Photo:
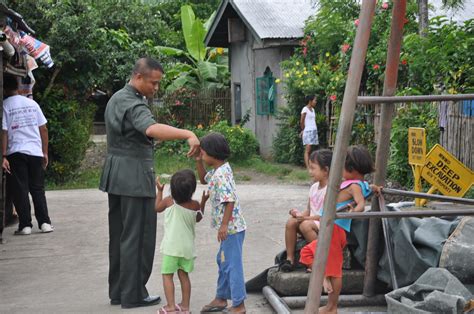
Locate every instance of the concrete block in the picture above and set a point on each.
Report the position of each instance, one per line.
(297, 282)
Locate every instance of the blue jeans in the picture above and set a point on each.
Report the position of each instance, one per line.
(231, 283)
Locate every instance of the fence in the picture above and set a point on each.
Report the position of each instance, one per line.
(198, 107)
(456, 123)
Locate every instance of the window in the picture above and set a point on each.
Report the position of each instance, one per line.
(266, 93)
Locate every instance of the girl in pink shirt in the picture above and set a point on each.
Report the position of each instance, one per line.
(318, 167)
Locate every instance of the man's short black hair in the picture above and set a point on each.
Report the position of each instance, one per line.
(10, 83)
(215, 145)
(183, 185)
(358, 158)
(145, 65)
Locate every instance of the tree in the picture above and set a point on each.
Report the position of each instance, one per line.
(93, 44)
(423, 12)
(205, 67)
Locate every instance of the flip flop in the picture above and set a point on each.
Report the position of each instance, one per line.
(180, 310)
(213, 308)
(165, 311)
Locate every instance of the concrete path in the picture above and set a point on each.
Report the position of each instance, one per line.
(66, 271)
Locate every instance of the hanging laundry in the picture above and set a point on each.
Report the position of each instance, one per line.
(36, 49)
(32, 46)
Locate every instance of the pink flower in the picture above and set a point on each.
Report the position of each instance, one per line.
(356, 22)
(177, 103)
(404, 62)
(376, 67)
(345, 47)
(333, 97)
(385, 5)
(305, 51)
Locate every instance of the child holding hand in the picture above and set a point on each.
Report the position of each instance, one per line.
(227, 219)
(177, 246)
(353, 190)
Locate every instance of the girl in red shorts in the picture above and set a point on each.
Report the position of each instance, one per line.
(353, 190)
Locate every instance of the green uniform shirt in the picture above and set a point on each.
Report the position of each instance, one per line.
(128, 169)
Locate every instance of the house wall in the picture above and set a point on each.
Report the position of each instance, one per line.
(266, 125)
(241, 69)
(249, 60)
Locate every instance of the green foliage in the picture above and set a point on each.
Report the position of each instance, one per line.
(422, 115)
(444, 57)
(205, 68)
(320, 66)
(242, 142)
(287, 146)
(93, 43)
(69, 124)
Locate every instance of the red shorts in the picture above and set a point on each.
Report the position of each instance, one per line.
(334, 262)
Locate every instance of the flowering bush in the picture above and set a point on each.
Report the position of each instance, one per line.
(321, 64)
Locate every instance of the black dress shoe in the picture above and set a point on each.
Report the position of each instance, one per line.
(148, 301)
(115, 302)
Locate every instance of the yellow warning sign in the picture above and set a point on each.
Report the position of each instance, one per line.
(416, 146)
(446, 173)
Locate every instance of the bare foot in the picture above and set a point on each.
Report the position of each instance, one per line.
(308, 270)
(327, 285)
(325, 309)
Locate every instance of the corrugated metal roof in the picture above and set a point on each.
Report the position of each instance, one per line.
(275, 18)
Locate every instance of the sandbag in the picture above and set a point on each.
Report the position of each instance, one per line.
(436, 291)
(458, 251)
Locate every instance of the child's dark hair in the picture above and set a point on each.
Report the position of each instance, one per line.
(183, 185)
(322, 157)
(358, 158)
(10, 83)
(215, 145)
(308, 98)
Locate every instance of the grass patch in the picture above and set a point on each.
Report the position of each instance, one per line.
(87, 179)
(166, 165)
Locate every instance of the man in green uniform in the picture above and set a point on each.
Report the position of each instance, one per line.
(129, 179)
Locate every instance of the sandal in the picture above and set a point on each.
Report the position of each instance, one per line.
(286, 266)
(213, 308)
(163, 310)
(180, 309)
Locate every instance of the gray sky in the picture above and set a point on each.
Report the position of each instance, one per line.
(459, 15)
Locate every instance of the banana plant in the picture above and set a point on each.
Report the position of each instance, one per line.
(206, 67)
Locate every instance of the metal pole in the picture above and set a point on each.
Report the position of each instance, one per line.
(275, 301)
(372, 100)
(407, 213)
(351, 91)
(428, 196)
(383, 145)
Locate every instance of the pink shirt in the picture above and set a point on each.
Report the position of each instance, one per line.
(316, 198)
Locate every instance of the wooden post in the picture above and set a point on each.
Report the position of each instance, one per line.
(351, 91)
(383, 145)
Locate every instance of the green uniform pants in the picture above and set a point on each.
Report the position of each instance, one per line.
(132, 238)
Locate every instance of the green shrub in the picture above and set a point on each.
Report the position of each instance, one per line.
(423, 116)
(69, 125)
(242, 142)
(287, 145)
